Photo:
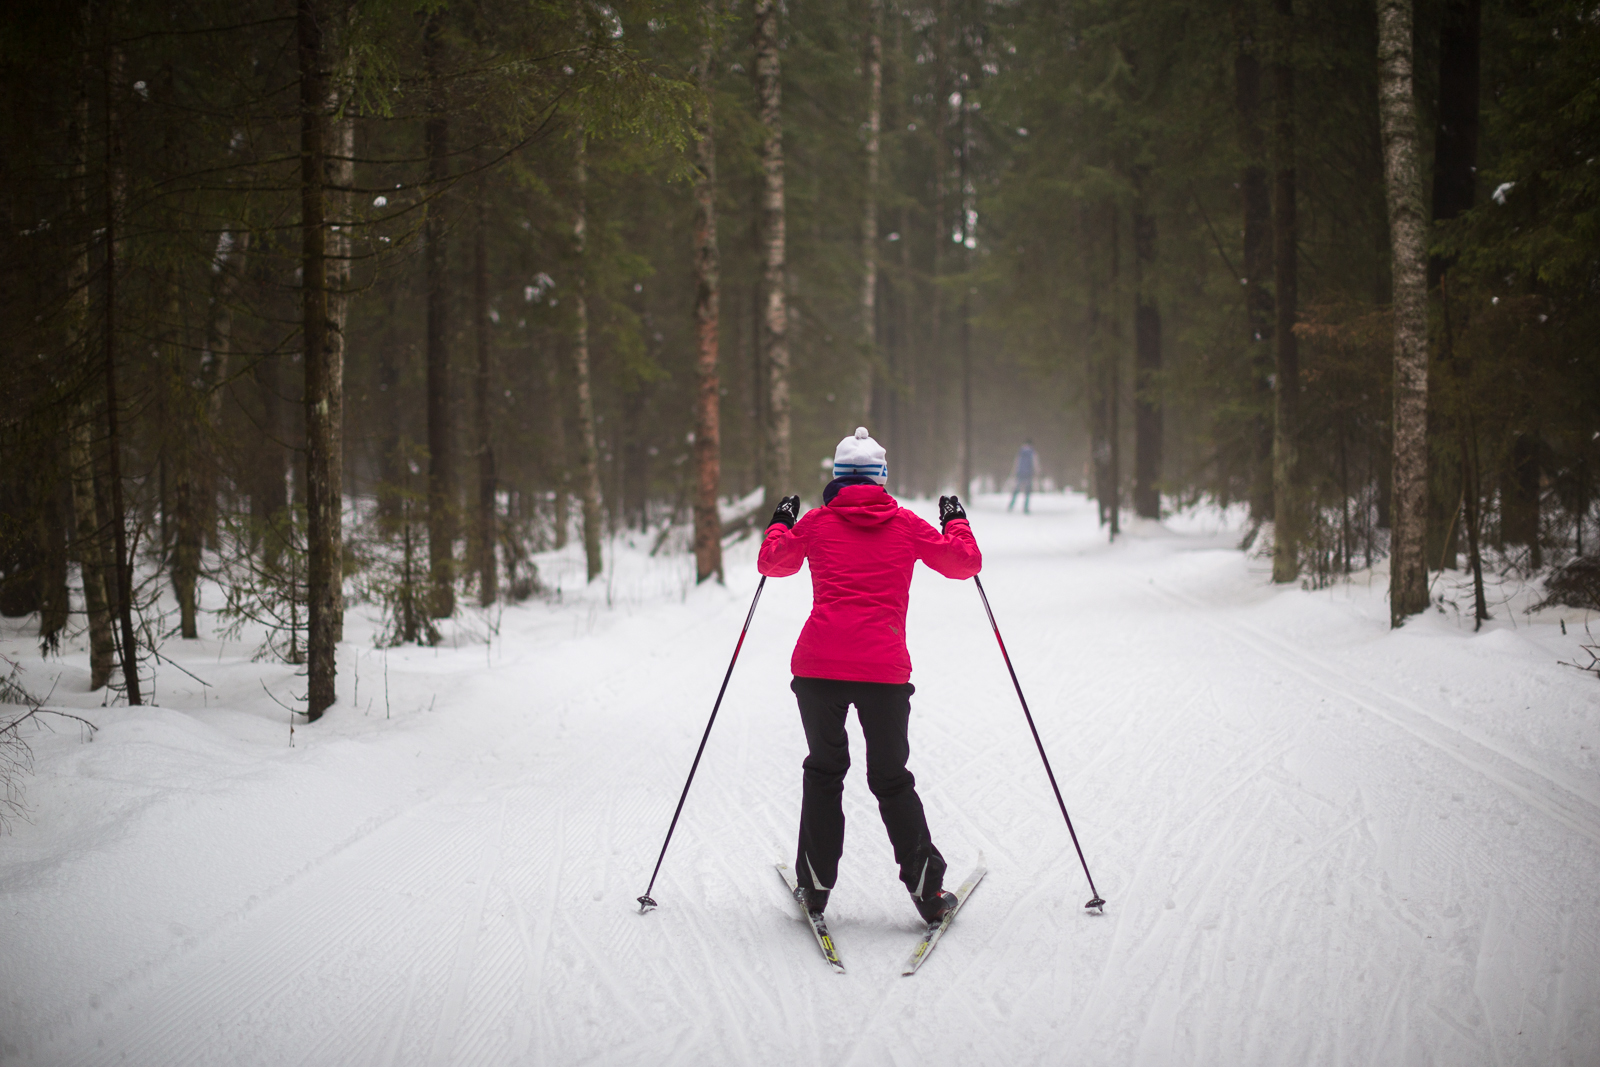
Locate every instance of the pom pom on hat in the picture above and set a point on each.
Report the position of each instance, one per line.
(859, 456)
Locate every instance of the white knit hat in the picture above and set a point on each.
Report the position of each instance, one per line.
(860, 457)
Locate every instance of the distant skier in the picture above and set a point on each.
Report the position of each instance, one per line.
(1024, 472)
(862, 546)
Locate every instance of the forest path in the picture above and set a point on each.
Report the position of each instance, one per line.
(1307, 856)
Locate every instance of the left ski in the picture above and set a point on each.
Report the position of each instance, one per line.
(935, 931)
(819, 926)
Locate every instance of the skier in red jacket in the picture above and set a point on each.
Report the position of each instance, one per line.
(862, 547)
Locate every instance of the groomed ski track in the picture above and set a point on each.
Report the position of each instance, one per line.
(1319, 842)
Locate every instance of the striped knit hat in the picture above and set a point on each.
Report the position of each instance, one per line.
(860, 457)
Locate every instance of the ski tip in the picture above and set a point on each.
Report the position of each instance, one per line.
(1096, 906)
(646, 903)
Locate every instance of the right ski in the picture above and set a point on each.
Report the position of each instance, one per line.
(819, 925)
(935, 931)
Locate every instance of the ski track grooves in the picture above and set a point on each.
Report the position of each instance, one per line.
(1538, 787)
(1279, 868)
(444, 1038)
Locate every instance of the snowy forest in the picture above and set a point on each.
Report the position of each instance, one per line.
(294, 293)
(343, 329)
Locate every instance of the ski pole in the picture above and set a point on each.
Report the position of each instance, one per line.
(1095, 903)
(646, 902)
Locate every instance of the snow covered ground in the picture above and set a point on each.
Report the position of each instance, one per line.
(1320, 841)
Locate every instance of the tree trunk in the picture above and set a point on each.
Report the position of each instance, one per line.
(1408, 573)
(927, 421)
(231, 258)
(560, 468)
(590, 452)
(321, 377)
(185, 418)
(707, 308)
(90, 550)
(968, 209)
(1519, 496)
(1455, 166)
(1467, 443)
(1113, 389)
(1147, 410)
(55, 601)
(1256, 209)
(1097, 374)
(775, 311)
(89, 545)
(869, 215)
(122, 564)
(339, 170)
(1285, 283)
(269, 498)
(394, 448)
(485, 540)
(908, 436)
(441, 452)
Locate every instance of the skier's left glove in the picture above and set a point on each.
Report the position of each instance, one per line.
(788, 512)
(950, 509)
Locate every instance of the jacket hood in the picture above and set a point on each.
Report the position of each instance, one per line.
(864, 505)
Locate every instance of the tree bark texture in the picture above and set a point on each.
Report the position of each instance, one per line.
(485, 539)
(122, 565)
(1147, 409)
(707, 314)
(775, 310)
(322, 434)
(89, 548)
(89, 544)
(869, 214)
(1286, 505)
(339, 171)
(590, 456)
(441, 453)
(1397, 109)
(1256, 211)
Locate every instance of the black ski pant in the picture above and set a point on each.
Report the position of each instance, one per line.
(884, 711)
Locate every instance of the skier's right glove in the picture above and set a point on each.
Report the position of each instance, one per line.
(950, 509)
(788, 512)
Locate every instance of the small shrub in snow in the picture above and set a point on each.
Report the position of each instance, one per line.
(1576, 585)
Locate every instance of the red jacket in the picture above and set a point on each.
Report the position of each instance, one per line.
(862, 547)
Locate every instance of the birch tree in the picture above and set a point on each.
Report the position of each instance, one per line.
(1408, 252)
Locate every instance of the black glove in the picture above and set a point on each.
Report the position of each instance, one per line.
(788, 512)
(950, 508)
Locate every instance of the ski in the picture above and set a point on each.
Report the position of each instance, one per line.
(935, 931)
(819, 926)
